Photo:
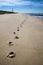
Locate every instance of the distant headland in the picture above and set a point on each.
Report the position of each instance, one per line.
(7, 12)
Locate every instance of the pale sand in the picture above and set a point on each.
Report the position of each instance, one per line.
(29, 47)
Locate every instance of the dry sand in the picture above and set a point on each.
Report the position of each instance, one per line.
(28, 47)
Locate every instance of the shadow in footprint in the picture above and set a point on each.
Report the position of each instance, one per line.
(18, 30)
(16, 37)
(14, 32)
(10, 43)
(11, 55)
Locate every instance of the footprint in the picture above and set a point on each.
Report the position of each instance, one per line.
(16, 37)
(10, 43)
(22, 22)
(11, 55)
(18, 29)
(14, 32)
(20, 25)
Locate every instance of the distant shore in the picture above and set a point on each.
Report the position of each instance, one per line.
(7, 12)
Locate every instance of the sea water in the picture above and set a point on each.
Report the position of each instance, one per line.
(41, 17)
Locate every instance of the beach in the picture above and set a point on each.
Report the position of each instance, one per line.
(26, 34)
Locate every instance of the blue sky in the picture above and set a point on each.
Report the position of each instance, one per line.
(22, 6)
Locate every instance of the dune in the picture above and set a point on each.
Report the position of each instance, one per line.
(26, 34)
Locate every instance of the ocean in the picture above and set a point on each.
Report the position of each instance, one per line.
(39, 16)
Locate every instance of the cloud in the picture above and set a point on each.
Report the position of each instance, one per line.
(18, 2)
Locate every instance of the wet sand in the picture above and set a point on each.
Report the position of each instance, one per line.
(26, 35)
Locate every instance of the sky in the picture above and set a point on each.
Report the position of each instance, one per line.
(22, 6)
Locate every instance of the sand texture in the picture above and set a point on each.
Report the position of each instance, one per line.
(22, 35)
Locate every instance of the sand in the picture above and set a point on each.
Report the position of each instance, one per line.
(26, 35)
